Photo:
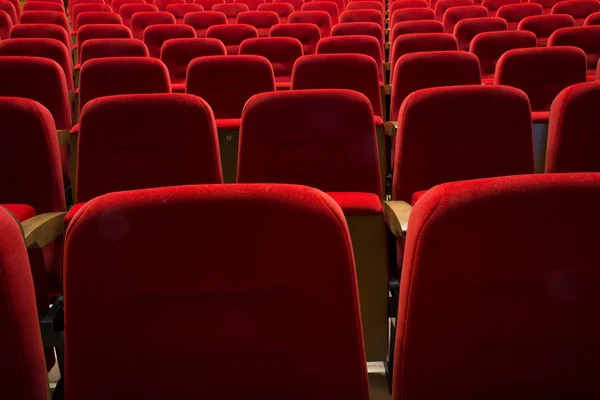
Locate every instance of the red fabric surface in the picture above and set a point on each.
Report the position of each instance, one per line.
(178, 53)
(208, 4)
(541, 72)
(283, 10)
(252, 4)
(156, 35)
(366, 5)
(97, 17)
(139, 157)
(9, 8)
(225, 83)
(425, 26)
(336, 152)
(231, 10)
(21, 211)
(357, 44)
(71, 213)
(116, 4)
(478, 131)
(201, 21)
(592, 19)
(282, 52)
(353, 203)
(40, 31)
(297, 4)
(232, 35)
(73, 3)
(308, 34)
(515, 13)
(443, 5)
(180, 10)
(228, 123)
(22, 366)
(544, 25)
(259, 299)
(43, 6)
(494, 5)
(578, 9)
(490, 46)
(468, 303)
(329, 7)
(416, 196)
(163, 4)
(400, 4)
(127, 10)
(261, 20)
(360, 28)
(456, 14)
(104, 48)
(363, 16)
(45, 17)
(411, 14)
(319, 18)
(101, 31)
(141, 20)
(587, 38)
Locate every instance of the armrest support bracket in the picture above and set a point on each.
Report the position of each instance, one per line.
(396, 214)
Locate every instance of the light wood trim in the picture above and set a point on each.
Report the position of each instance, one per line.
(387, 89)
(396, 215)
(390, 128)
(387, 66)
(387, 45)
(73, 164)
(63, 136)
(43, 229)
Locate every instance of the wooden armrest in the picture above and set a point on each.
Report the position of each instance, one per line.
(43, 229)
(387, 66)
(387, 45)
(396, 215)
(390, 128)
(63, 136)
(387, 90)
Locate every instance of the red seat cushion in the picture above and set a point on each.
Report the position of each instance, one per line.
(71, 213)
(228, 123)
(357, 203)
(21, 211)
(417, 195)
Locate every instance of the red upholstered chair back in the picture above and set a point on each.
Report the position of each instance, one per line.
(232, 35)
(339, 71)
(261, 20)
(592, 19)
(22, 363)
(156, 35)
(45, 17)
(231, 10)
(227, 82)
(141, 20)
(49, 31)
(399, 4)
(122, 75)
(178, 53)
(101, 31)
(283, 10)
(179, 10)
(73, 3)
(103, 48)
(541, 72)
(544, 25)
(587, 38)
(515, 13)
(494, 5)
(360, 28)
(485, 298)
(426, 26)
(329, 7)
(478, 132)
(201, 21)
(282, 52)
(297, 4)
(308, 34)
(572, 143)
(122, 144)
(43, 6)
(39, 79)
(38, 47)
(163, 4)
(357, 44)
(117, 4)
(208, 4)
(336, 152)
(319, 18)
(127, 10)
(252, 4)
(411, 14)
(455, 14)
(259, 299)
(490, 46)
(443, 5)
(97, 17)
(363, 16)
(466, 30)
(9, 8)
(578, 9)
(366, 5)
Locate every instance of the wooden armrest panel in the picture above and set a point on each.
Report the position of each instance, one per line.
(43, 229)
(396, 214)
(390, 128)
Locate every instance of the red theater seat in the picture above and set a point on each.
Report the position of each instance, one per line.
(156, 35)
(232, 35)
(578, 9)
(96, 18)
(297, 4)
(308, 34)
(319, 18)
(117, 4)
(363, 16)
(9, 8)
(141, 20)
(73, 3)
(201, 21)
(456, 14)
(443, 5)
(100, 31)
(231, 10)
(411, 14)
(587, 38)
(427, 26)
(45, 17)
(329, 7)
(515, 13)
(546, 4)
(356, 44)
(43, 6)
(163, 4)
(179, 10)
(48, 31)
(208, 4)
(104, 48)
(127, 10)
(283, 10)
(252, 4)
(466, 29)
(360, 28)
(494, 5)
(5, 25)
(400, 4)
(592, 19)
(261, 20)
(366, 5)
(544, 25)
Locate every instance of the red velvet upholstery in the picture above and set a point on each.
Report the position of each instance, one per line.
(51, 1)
(411, 14)
(356, 203)
(282, 53)
(466, 29)
(578, 9)
(9, 8)
(308, 34)
(515, 13)
(456, 14)
(208, 4)
(38, 31)
(357, 44)
(329, 7)
(490, 46)
(73, 3)
(163, 4)
(546, 4)
(360, 28)
(45, 17)
(179, 10)
(443, 5)
(103, 48)
(587, 38)
(572, 140)
(259, 299)
(122, 147)
(37, 47)
(252, 4)
(127, 10)
(483, 300)
(478, 131)
(363, 16)
(366, 5)
(427, 26)
(544, 25)
(22, 368)
(121, 75)
(116, 4)
(141, 20)
(21, 212)
(592, 19)
(97, 17)
(17, 5)
(319, 18)
(231, 10)
(283, 10)
(101, 31)
(85, 8)
(336, 152)
(43, 6)
(297, 4)
(156, 35)
(261, 20)
(400, 4)
(420, 42)
(339, 71)
(541, 73)
(232, 35)
(178, 53)
(201, 21)
(225, 83)
(494, 5)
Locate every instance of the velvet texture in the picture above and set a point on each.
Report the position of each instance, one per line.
(48, 31)
(180, 10)
(178, 53)
(97, 17)
(443, 5)
(308, 34)
(466, 30)
(515, 13)
(141, 20)
(587, 38)
(283, 10)
(425, 26)
(359, 44)
(104, 48)
(261, 20)
(232, 35)
(319, 18)
(156, 35)
(201, 21)
(360, 28)
(282, 53)
(127, 10)
(412, 14)
(101, 31)
(328, 6)
(490, 46)
(231, 10)
(544, 25)
(579, 9)
(456, 14)
(363, 16)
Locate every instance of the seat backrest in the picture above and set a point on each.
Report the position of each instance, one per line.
(282, 52)
(578, 9)
(261, 20)
(227, 82)
(156, 35)
(547, 4)
(360, 28)
(232, 35)
(494, 5)
(179, 10)
(544, 25)
(6, 25)
(141, 20)
(43, 6)
(363, 16)
(283, 10)
(329, 7)
(420, 42)
(297, 4)
(587, 38)
(201, 21)
(366, 5)
(121, 75)
(572, 143)
(45, 17)
(358, 44)
(208, 4)
(412, 14)
(252, 4)
(73, 3)
(200, 284)
(592, 19)
(41, 47)
(421, 70)
(484, 298)
(456, 14)
(516, 12)
(9, 8)
(31, 165)
(339, 71)
(101, 31)
(319, 18)
(336, 152)
(490, 46)
(103, 48)
(122, 144)
(22, 367)
(163, 4)
(231, 10)
(39, 79)
(97, 17)
(466, 29)
(308, 34)
(542, 73)
(400, 4)
(443, 5)
(426, 26)
(117, 4)
(178, 53)
(127, 10)
(49, 31)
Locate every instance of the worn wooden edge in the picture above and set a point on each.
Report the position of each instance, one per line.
(390, 128)
(387, 90)
(43, 229)
(396, 214)
(387, 66)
